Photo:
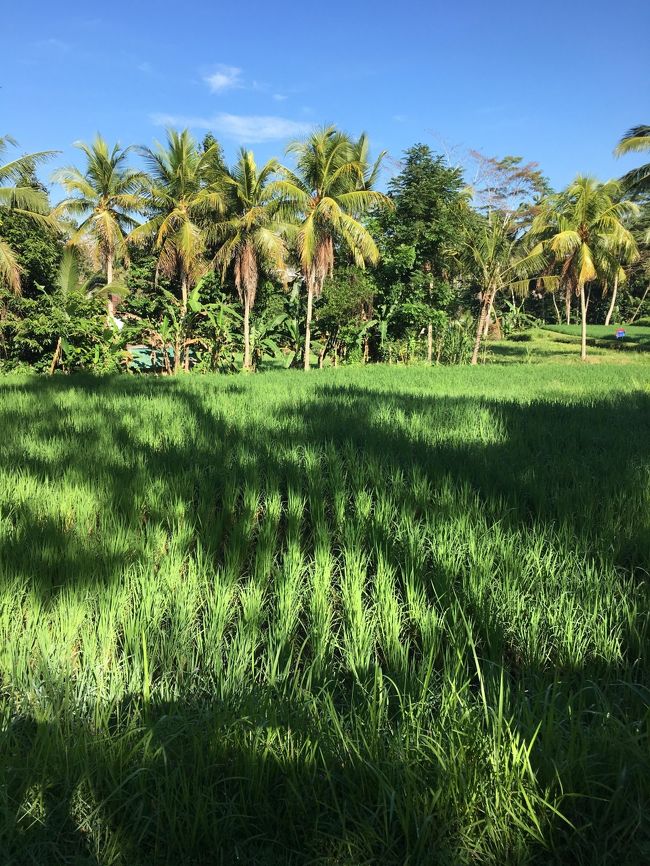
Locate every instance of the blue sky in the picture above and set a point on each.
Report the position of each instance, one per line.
(554, 82)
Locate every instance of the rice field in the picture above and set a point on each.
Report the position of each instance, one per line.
(363, 616)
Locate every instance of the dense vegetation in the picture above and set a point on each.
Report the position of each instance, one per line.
(167, 259)
(371, 617)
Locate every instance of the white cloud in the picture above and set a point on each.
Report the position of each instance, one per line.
(279, 97)
(224, 78)
(248, 129)
(145, 67)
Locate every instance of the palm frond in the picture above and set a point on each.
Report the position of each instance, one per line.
(635, 140)
(10, 269)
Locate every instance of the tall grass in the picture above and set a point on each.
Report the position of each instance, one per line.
(365, 616)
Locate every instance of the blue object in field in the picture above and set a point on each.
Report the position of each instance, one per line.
(620, 334)
(144, 358)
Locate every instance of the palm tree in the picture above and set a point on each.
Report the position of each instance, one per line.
(327, 194)
(17, 194)
(636, 140)
(583, 231)
(618, 259)
(495, 249)
(105, 197)
(250, 238)
(184, 196)
(369, 170)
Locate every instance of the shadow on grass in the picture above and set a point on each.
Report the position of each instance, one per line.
(576, 466)
(202, 779)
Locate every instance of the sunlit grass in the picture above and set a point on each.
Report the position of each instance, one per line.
(561, 345)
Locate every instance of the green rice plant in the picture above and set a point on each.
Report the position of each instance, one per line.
(389, 615)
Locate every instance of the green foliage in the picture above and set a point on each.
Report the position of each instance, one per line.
(31, 327)
(420, 242)
(344, 316)
(38, 252)
(21, 196)
(266, 335)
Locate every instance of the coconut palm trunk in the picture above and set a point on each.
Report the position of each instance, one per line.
(246, 278)
(180, 362)
(557, 309)
(247, 332)
(310, 304)
(613, 301)
(184, 292)
(110, 309)
(488, 320)
(583, 323)
(485, 308)
(641, 303)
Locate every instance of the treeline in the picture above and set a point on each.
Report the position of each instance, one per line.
(168, 259)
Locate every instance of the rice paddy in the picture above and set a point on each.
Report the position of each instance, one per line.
(385, 615)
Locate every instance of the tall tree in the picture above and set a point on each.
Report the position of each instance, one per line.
(583, 230)
(20, 195)
(427, 195)
(105, 197)
(250, 237)
(184, 196)
(636, 140)
(328, 193)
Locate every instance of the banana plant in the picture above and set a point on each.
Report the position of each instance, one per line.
(263, 338)
(203, 330)
(384, 313)
(292, 325)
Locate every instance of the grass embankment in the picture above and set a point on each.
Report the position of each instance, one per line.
(636, 336)
(561, 344)
(362, 616)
